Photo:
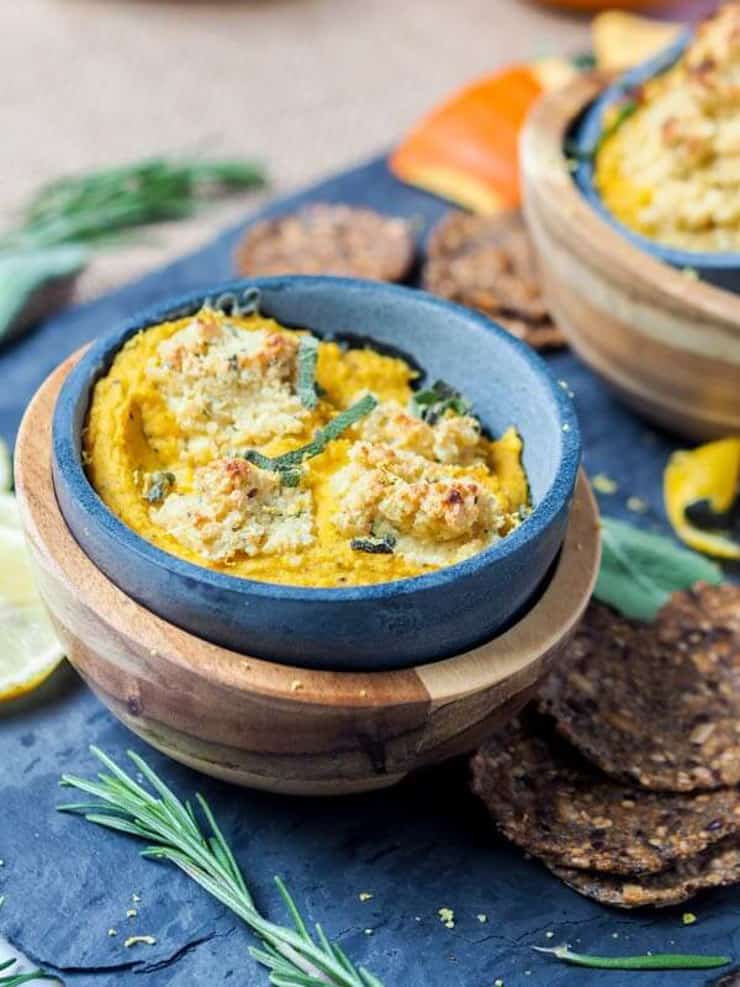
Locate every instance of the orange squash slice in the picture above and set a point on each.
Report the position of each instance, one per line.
(466, 149)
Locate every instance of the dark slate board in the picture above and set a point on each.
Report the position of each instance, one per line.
(421, 846)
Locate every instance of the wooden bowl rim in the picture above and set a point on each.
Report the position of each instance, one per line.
(553, 617)
(546, 170)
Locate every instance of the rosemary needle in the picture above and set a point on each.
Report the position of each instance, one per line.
(650, 961)
(294, 956)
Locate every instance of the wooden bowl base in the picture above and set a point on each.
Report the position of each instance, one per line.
(266, 725)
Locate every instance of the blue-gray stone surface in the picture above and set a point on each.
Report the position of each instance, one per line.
(417, 848)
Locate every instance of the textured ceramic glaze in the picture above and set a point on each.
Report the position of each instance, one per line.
(386, 625)
(722, 269)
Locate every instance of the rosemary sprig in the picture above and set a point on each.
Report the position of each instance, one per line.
(289, 463)
(98, 205)
(650, 961)
(16, 979)
(294, 957)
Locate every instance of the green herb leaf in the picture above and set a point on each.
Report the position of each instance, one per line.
(308, 355)
(639, 569)
(650, 961)
(25, 274)
(173, 833)
(374, 546)
(16, 979)
(159, 486)
(291, 461)
(431, 403)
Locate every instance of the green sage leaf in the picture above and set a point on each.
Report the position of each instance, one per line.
(640, 570)
(25, 275)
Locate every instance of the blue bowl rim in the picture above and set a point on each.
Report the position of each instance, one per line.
(96, 361)
(587, 134)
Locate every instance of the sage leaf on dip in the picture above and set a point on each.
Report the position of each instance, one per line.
(640, 570)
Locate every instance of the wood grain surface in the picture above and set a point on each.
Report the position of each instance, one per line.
(667, 342)
(272, 726)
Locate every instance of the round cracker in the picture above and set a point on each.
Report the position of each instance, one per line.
(328, 239)
(716, 867)
(546, 798)
(488, 263)
(658, 704)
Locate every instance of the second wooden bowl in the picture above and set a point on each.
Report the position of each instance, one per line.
(668, 343)
(268, 725)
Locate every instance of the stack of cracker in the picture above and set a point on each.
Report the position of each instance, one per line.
(625, 780)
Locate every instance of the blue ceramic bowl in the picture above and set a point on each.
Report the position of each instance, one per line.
(393, 624)
(721, 269)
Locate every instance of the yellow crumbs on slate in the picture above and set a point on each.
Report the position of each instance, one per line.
(447, 917)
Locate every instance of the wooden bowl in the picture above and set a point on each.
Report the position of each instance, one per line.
(669, 344)
(267, 725)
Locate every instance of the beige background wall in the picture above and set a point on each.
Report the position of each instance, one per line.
(307, 85)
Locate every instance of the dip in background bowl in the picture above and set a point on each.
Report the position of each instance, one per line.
(719, 268)
(393, 624)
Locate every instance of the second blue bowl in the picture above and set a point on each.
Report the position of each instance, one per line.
(721, 269)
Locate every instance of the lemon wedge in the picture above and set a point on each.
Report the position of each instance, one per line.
(30, 650)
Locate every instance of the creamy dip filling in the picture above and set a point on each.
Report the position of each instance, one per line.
(212, 439)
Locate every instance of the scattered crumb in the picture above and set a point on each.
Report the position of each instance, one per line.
(112, 932)
(365, 896)
(2, 900)
(604, 484)
(688, 918)
(246, 666)
(363, 693)
(482, 918)
(368, 932)
(145, 940)
(615, 935)
(498, 982)
(135, 898)
(549, 935)
(446, 917)
(566, 427)
(131, 913)
(295, 685)
(2, 863)
(417, 918)
(636, 504)
(527, 973)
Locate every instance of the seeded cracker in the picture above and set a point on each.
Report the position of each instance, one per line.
(716, 867)
(660, 703)
(545, 797)
(328, 239)
(488, 263)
